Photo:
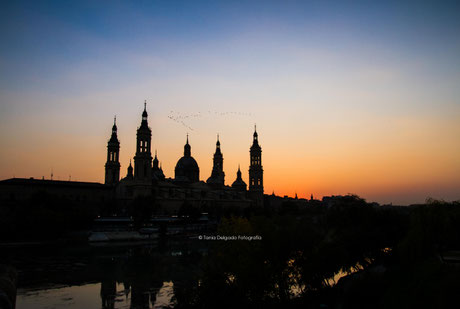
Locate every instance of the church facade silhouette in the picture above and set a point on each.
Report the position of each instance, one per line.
(146, 178)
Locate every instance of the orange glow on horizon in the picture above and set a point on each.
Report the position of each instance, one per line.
(330, 165)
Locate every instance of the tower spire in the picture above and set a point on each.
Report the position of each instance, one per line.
(187, 148)
(112, 166)
(114, 127)
(217, 175)
(143, 157)
(255, 135)
(256, 185)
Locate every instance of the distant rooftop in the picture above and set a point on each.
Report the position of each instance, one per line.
(48, 182)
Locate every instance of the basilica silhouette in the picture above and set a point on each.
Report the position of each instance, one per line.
(146, 178)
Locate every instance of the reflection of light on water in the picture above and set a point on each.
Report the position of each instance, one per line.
(165, 295)
(337, 276)
(82, 296)
(87, 296)
(297, 288)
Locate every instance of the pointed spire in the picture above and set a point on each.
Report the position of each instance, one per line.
(218, 144)
(114, 127)
(144, 113)
(187, 149)
(114, 137)
(239, 184)
(130, 170)
(155, 161)
(238, 173)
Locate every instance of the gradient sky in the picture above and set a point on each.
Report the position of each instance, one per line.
(349, 96)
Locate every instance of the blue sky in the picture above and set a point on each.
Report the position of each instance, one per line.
(356, 82)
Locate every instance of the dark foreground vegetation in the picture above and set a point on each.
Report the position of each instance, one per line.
(390, 257)
(347, 255)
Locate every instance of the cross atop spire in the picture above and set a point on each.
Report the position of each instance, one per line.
(218, 142)
(114, 127)
(187, 149)
(144, 113)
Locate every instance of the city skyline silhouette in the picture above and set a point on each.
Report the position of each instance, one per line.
(348, 101)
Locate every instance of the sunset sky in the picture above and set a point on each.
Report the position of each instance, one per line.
(348, 96)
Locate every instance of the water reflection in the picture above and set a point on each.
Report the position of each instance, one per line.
(87, 296)
(147, 276)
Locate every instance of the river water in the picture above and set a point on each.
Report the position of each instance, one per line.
(154, 275)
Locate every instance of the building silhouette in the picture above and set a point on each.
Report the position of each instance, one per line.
(256, 172)
(217, 177)
(147, 179)
(112, 166)
(171, 193)
(143, 157)
(239, 184)
(187, 169)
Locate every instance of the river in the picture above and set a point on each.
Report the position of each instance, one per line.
(153, 275)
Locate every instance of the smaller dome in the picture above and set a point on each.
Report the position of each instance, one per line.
(130, 174)
(186, 167)
(155, 162)
(239, 184)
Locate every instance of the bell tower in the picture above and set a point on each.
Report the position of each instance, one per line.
(217, 174)
(256, 173)
(143, 157)
(112, 166)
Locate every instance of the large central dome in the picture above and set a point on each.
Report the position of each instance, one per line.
(187, 169)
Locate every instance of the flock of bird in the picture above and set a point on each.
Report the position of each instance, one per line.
(180, 118)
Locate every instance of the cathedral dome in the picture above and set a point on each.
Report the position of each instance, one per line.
(239, 183)
(186, 168)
